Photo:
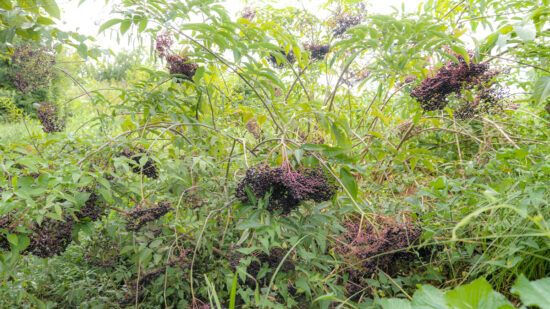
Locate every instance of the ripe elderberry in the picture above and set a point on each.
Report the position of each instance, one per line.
(318, 51)
(290, 58)
(181, 65)
(48, 116)
(367, 249)
(5, 222)
(92, 209)
(453, 78)
(273, 259)
(342, 21)
(138, 217)
(50, 238)
(163, 43)
(31, 67)
(287, 187)
(248, 13)
(149, 169)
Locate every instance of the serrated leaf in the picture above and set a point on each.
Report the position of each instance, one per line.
(82, 50)
(12, 238)
(542, 89)
(247, 251)
(142, 25)
(394, 303)
(533, 293)
(474, 295)
(51, 7)
(429, 297)
(124, 26)
(461, 51)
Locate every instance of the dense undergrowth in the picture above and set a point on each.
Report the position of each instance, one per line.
(277, 160)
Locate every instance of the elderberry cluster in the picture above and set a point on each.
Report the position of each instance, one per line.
(290, 58)
(287, 187)
(50, 238)
(149, 169)
(136, 286)
(345, 20)
(92, 209)
(367, 249)
(248, 13)
(5, 222)
(138, 217)
(102, 251)
(177, 64)
(163, 43)
(273, 259)
(31, 67)
(48, 116)
(318, 51)
(433, 92)
(180, 65)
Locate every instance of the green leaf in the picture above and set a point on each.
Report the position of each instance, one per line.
(124, 26)
(82, 50)
(44, 21)
(5, 4)
(349, 182)
(542, 89)
(394, 303)
(233, 294)
(478, 294)
(303, 284)
(22, 242)
(463, 52)
(252, 222)
(324, 297)
(468, 296)
(108, 24)
(51, 7)
(12, 238)
(428, 297)
(533, 293)
(247, 251)
(145, 256)
(142, 25)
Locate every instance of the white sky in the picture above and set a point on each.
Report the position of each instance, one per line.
(87, 17)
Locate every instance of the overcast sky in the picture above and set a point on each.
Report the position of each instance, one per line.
(87, 17)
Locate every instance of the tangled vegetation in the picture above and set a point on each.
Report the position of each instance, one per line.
(277, 159)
